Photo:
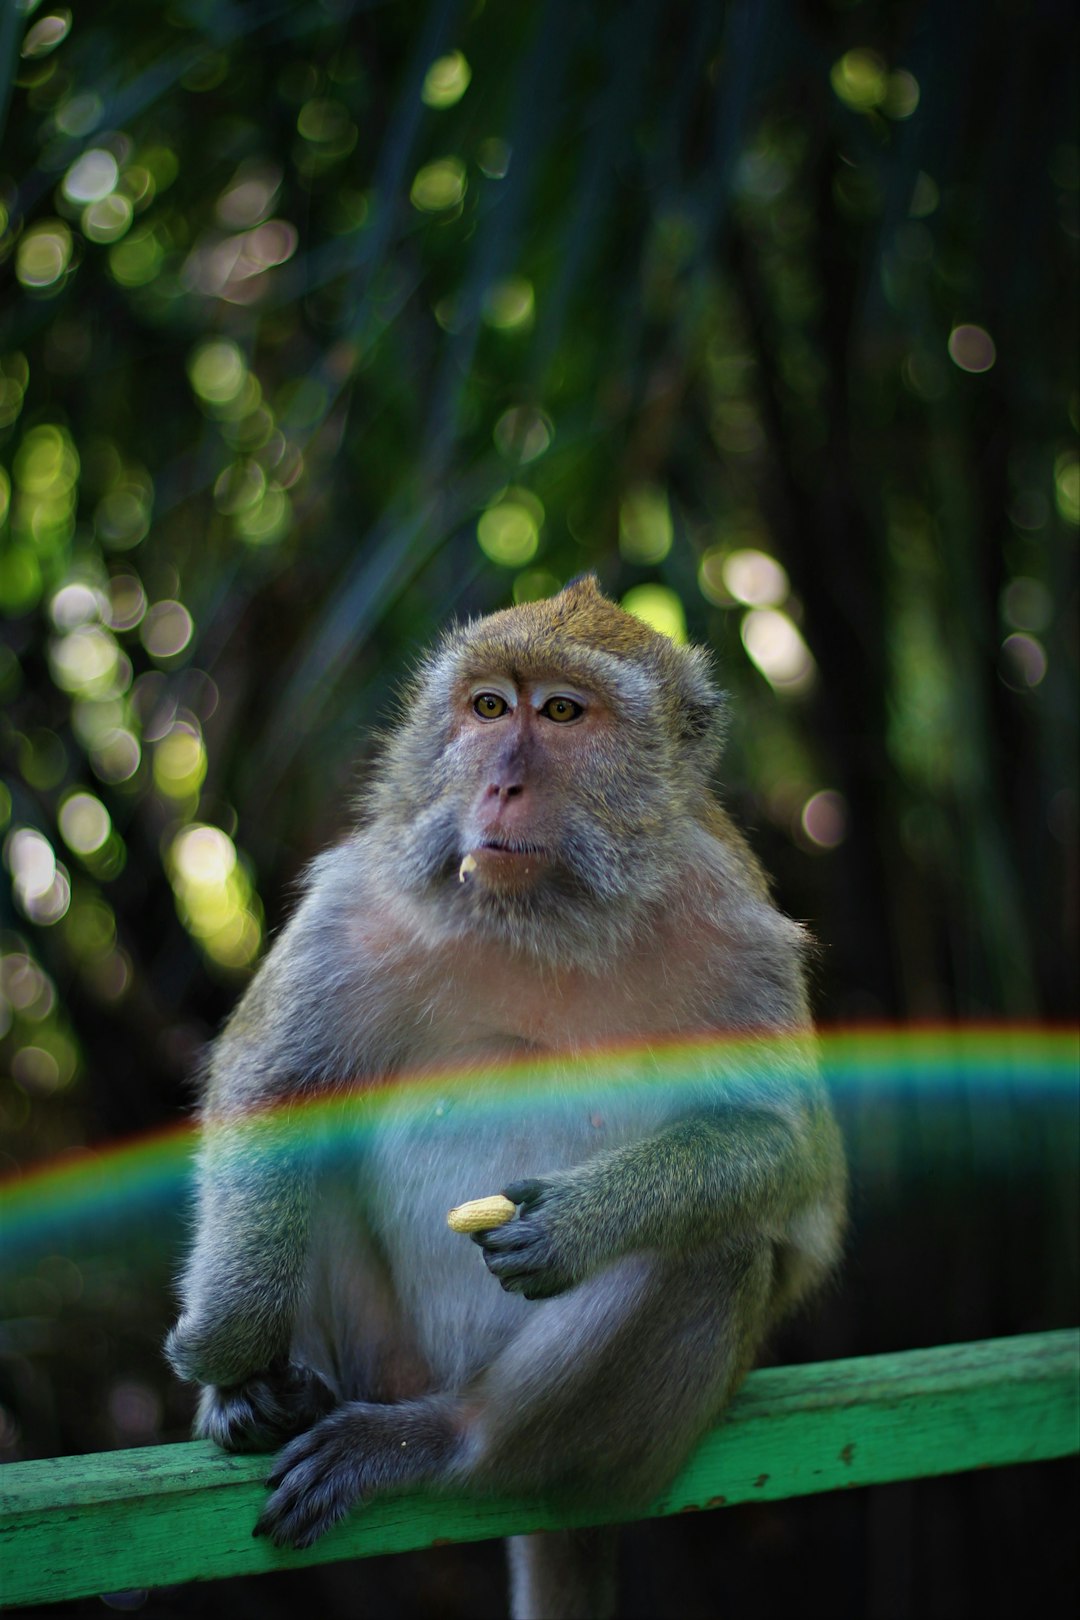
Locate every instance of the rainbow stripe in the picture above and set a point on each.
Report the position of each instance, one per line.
(996, 1072)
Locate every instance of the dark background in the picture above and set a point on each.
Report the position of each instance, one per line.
(306, 348)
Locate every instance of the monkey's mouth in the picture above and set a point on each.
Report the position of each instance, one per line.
(504, 864)
(512, 846)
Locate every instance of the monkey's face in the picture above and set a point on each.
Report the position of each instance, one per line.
(519, 747)
(550, 801)
(548, 771)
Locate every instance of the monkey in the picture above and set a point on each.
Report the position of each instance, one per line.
(541, 872)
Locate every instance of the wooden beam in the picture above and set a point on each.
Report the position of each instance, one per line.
(75, 1526)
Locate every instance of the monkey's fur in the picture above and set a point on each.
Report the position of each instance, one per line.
(568, 749)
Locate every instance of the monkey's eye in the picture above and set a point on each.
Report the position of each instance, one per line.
(489, 705)
(562, 709)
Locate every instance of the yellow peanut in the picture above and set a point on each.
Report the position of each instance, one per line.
(480, 1214)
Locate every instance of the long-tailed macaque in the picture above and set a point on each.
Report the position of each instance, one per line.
(541, 872)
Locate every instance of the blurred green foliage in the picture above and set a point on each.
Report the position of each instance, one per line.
(323, 321)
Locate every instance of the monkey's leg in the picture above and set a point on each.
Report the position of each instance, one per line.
(569, 1574)
(604, 1394)
(600, 1396)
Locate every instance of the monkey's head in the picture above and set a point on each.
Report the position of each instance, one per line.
(549, 765)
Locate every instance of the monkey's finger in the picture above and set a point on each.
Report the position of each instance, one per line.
(296, 1452)
(527, 1193)
(314, 1488)
(297, 1515)
(514, 1262)
(503, 1239)
(533, 1279)
(520, 1262)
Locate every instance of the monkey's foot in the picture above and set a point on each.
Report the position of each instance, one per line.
(361, 1448)
(260, 1413)
(316, 1480)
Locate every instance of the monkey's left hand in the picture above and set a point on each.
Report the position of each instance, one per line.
(551, 1245)
(264, 1410)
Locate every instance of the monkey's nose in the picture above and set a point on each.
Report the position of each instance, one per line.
(505, 787)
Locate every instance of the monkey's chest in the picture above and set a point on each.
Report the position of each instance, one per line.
(480, 1002)
(466, 1141)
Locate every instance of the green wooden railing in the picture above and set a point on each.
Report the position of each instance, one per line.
(75, 1526)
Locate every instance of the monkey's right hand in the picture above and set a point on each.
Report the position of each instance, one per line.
(551, 1246)
(263, 1411)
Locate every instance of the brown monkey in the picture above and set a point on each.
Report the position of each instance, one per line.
(541, 870)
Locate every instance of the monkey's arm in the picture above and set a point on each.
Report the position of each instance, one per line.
(293, 1037)
(242, 1280)
(720, 1174)
(241, 1290)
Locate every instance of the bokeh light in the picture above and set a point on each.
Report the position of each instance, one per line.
(43, 255)
(902, 94)
(755, 578)
(1026, 604)
(1023, 662)
(509, 531)
(25, 987)
(180, 762)
(40, 883)
(493, 156)
(115, 755)
(84, 822)
(108, 219)
(824, 819)
(92, 176)
(439, 186)
(659, 607)
(645, 527)
(522, 434)
(217, 371)
(88, 661)
(971, 348)
(250, 194)
(1067, 486)
(446, 80)
(265, 520)
(510, 305)
(138, 258)
(214, 895)
(166, 629)
(535, 584)
(127, 601)
(774, 644)
(46, 34)
(860, 79)
(79, 113)
(75, 604)
(14, 378)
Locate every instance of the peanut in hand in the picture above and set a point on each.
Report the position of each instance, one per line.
(480, 1214)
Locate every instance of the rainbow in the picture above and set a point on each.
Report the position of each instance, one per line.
(93, 1194)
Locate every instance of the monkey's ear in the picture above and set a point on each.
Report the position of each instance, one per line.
(702, 711)
(705, 719)
(586, 584)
